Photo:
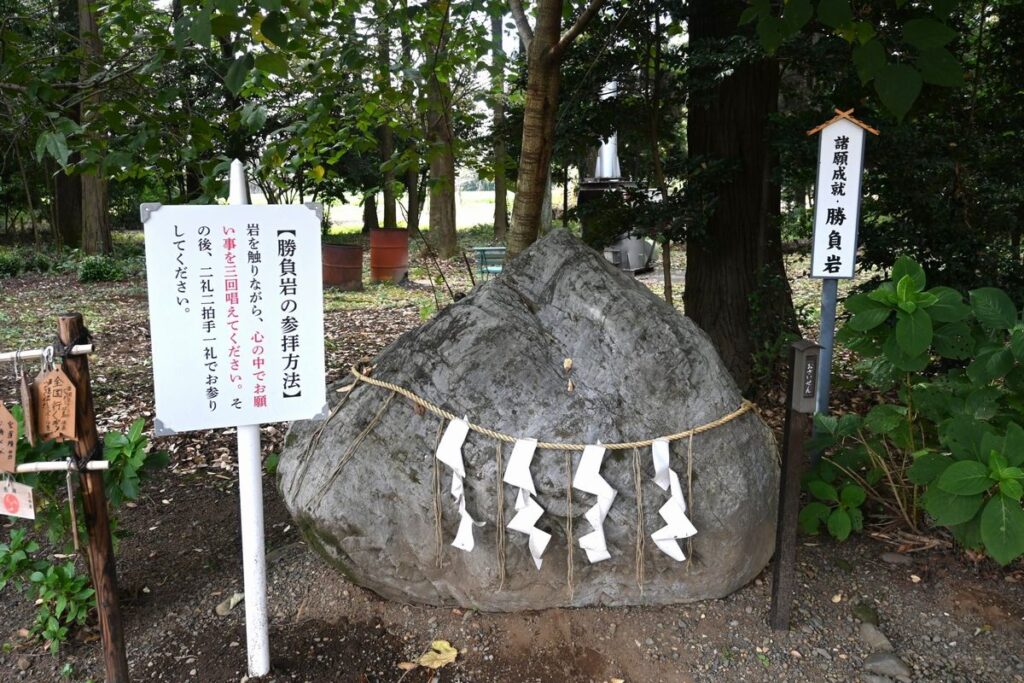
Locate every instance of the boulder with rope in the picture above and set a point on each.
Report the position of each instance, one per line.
(456, 470)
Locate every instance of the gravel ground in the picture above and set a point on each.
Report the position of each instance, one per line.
(945, 619)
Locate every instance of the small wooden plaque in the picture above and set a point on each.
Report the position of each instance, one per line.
(8, 440)
(55, 405)
(28, 408)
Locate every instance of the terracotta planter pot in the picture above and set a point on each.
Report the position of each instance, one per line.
(343, 266)
(389, 255)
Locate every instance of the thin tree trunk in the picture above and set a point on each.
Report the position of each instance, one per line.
(666, 269)
(95, 221)
(385, 135)
(498, 112)
(737, 261)
(412, 174)
(655, 140)
(370, 214)
(565, 196)
(26, 186)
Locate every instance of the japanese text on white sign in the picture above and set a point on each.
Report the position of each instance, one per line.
(837, 203)
(236, 315)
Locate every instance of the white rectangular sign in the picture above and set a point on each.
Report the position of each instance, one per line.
(236, 314)
(837, 202)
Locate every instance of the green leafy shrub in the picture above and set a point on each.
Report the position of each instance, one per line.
(951, 443)
(129, 463)
(10, 263)
(100, 269)
(64, 598)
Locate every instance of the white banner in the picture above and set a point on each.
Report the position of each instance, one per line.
(837, 201)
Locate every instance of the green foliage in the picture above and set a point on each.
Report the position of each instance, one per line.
(64, 599)
(879, 53)
(952, 445)
(62, 594)
(16, 559)
(16, 261)
(129, 463)
(100, 269)
(10, 264)
(270, 464)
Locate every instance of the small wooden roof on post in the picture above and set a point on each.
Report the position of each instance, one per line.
(840, 114)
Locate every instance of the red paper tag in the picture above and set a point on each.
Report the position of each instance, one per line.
(16, 500)
(8, 440)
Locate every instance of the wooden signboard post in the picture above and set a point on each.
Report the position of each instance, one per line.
(801, 402)
(836, 217)
(236, 319)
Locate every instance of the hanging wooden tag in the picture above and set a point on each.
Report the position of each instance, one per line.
(55, 405)
(8, 440)
(16, 500)
(28, 408)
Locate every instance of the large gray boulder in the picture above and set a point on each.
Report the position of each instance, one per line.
(639, 370)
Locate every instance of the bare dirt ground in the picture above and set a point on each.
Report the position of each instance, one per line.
(947, 617)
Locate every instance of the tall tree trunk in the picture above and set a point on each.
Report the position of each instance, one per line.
(67, 188)
(67, 208)
(546, 47)
(498, 111)
(442, 153)
(542, 86)
(735, 266)
(95, 221)
(442, 175)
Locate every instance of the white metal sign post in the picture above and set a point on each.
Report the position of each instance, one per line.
(236, 320)
(836, 217)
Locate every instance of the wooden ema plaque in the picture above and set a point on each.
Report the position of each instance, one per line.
(55, 405)
(28, 411)
(8, 440)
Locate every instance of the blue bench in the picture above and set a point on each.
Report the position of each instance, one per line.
(489, 260)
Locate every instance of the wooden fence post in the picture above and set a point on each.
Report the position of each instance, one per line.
(800, 405)
(71, 330)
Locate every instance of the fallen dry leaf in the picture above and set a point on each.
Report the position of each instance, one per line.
(441, 653)
(408, 666)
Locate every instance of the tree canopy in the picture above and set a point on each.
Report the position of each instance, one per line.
(133, 101)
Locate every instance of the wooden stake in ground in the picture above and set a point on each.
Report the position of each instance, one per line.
(71, 330)
(800, 404)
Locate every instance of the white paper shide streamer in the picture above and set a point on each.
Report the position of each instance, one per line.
(677, 524)
(589, 480)
(528, 510)
(449, 451)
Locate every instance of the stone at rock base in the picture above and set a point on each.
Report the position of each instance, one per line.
(639, 370)
(887, 664)
(874, 639)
